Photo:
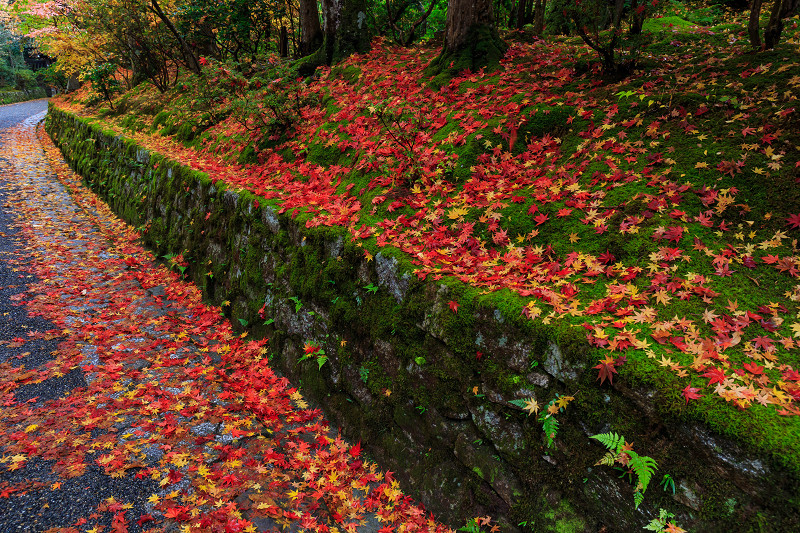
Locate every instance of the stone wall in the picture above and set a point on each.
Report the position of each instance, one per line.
(427, 390)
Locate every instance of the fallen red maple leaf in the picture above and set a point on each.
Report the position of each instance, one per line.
(691, 393)
(453, 306)
(714, 375)
(606, 369)
(355, 451)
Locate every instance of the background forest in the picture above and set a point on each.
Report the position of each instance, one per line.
(118, 44)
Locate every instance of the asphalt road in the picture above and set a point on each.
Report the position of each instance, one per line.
(30, 341)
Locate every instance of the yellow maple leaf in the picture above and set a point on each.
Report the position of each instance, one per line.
(531, 406)
(563, 401)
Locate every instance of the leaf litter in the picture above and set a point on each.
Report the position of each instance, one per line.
(171, 394)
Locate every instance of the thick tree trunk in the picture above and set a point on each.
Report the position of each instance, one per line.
(462, 17)
(346, 29)
(780, 10)
(345, 33)
(310, 29)
(753, 29)
(538, 16)
(471, 40)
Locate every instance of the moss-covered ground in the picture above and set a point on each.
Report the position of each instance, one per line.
(656, 218)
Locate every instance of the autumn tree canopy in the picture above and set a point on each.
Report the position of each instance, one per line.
(155, 40)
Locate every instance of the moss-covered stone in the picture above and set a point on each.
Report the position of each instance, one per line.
(430, 392)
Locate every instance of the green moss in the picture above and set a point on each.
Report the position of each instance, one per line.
(323, 155)
(667, 24)
(349, 73)
(484, 48)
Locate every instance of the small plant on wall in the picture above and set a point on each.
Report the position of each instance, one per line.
(621, 453)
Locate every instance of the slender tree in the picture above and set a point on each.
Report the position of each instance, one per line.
(780, 10)
(753, 29)
(189, 57)
(538, 16)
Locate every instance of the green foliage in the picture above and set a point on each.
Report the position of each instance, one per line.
(615, 34)
(103, 80)
(548, 419)
(612, 441)
(642, 466)
(667, 483)
(52, 77)
(271, 98)
(25, 80)
(550, 427)
(519, 403)
(660, 524)
(312, 351)
(229, 29)
(407, 21)
(298, 303)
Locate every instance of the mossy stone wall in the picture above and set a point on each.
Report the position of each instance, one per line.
(427, 390)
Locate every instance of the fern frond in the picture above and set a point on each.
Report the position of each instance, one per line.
(611, 441)
(638, 498)
(608, 459)
(550, 427)
(643, 466)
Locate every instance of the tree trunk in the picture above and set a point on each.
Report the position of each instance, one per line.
(471, 40)
(619, 8)
(753, 29)
(346, 29)
(538, 16)
(463, 17)
(345, 33)
(638, 16)
(781, 10)
(310, 29)
(518, 15)
(284, 42)
(189, 56)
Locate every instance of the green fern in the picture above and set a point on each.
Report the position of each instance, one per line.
(550, 427)
(638, 498)
(611, 441)
(643, 466)
(608, 459)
